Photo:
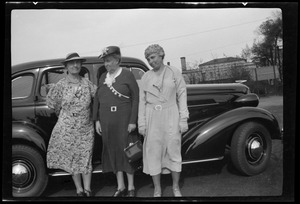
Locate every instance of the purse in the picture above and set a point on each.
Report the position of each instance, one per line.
(134, 151)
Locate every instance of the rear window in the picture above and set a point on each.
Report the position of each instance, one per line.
(21, 86)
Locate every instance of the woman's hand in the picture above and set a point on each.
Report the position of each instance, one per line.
(98, 127)
(131, 127)
(183, 126)
(142, 131)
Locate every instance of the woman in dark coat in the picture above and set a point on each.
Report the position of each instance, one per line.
(115, 112)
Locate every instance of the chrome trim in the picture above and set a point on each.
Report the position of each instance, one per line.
(21, 97)
(210, 104)
(61, 173)
(203, 160)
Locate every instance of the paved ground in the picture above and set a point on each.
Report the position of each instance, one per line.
(270, 101)
(204, 180)
(274, 104)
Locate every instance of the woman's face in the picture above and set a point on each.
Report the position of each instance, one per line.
(74, 66)
(111, 63)
(155, 61)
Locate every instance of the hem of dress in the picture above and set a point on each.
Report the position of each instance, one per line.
(163, 170)
(70, 172)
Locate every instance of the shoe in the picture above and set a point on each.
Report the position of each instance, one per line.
(81, 194)
(157, 194)
(88, 193)
(176, 192)
(120, 193)
(131, 193)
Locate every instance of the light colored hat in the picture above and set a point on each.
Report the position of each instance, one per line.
(110, 50)
(155, 48)
(73, 56)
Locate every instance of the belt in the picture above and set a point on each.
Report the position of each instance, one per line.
(113, 108)
(79, 114)
(159, 107)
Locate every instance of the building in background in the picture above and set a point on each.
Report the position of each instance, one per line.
(222, 70)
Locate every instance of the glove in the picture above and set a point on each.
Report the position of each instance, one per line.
(131, 127)
(142, 131)
(183, 125)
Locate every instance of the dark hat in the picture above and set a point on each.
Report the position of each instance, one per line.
(73, 56)
(110, 50)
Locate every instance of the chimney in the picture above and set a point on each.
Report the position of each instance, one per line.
(183, 63)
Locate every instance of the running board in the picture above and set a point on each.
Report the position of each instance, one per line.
(203, 160)
(97, 169)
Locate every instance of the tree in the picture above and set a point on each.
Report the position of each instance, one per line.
(266, 51)
(239, 73)
(246, 53)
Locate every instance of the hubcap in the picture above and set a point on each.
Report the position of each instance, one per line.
(255, 148)
(22, 174)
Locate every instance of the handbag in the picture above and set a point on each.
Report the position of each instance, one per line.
(134, 151)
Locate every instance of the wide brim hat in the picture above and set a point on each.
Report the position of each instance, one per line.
(110, 50)
(72, 56)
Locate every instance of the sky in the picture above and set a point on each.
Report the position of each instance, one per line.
(199, 35)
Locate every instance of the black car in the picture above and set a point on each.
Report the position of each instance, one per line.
(222, 116)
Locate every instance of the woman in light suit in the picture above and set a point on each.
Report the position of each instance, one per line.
(162, 118)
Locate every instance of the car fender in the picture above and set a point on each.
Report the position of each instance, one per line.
(29, 132)
(208, 139)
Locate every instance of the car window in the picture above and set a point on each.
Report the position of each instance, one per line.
(21, 86)
(52, 76)
(138, 74)
(84, 72)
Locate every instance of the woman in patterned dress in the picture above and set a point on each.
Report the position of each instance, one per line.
(71, 143)
(162, 118)
(115, 112)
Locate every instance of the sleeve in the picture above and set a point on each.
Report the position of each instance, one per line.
(142, 105)
(95, 108)
(93, 88)
(134, 89)
(54, 97)
(181, 95)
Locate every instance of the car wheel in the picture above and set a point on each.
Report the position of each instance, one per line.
(251, 148)
(29, 177)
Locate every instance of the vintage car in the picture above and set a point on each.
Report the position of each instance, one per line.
(222, 117)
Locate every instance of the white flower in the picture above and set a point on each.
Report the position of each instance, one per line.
(104, 51)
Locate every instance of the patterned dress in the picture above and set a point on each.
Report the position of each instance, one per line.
(71, 143)
(163, 103)
(115, 113)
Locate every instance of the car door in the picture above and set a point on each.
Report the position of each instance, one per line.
(46, 117)
(23, 100)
